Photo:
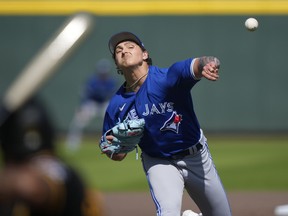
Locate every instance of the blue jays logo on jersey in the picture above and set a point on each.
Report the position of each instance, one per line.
(172, 123)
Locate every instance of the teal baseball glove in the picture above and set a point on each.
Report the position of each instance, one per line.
(126, 136)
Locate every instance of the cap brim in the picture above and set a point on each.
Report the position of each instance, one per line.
(123, 36)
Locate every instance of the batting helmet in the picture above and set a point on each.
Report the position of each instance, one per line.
(26, 131)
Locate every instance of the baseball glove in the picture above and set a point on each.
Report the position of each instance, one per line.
(126, 136)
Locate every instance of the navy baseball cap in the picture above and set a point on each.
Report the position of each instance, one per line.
(124, 36)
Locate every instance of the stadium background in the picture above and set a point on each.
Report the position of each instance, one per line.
(250, 95)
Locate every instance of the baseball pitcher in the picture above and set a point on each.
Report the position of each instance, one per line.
(153, 109)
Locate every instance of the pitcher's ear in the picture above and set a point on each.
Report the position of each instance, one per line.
(145, 55)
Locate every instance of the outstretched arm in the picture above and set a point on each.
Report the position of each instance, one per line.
(206, 66)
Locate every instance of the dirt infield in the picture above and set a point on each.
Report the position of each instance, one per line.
(242, 203)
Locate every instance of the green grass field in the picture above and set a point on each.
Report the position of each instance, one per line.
(244, 163)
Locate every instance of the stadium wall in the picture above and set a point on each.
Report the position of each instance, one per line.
(251, 92)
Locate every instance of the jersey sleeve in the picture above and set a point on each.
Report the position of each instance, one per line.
(181, 74)
(107, 123)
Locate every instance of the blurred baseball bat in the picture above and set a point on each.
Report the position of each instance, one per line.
(45, 63)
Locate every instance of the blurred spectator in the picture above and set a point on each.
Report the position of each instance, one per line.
(33, 180)
(97, 91)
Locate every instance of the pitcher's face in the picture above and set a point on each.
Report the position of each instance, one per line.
(128, 54)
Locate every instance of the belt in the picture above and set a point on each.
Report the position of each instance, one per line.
(190, 151)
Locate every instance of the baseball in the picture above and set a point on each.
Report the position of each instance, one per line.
(251, 24)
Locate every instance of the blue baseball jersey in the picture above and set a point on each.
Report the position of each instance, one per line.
(165, 102)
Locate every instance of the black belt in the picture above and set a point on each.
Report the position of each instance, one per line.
(190, 151)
